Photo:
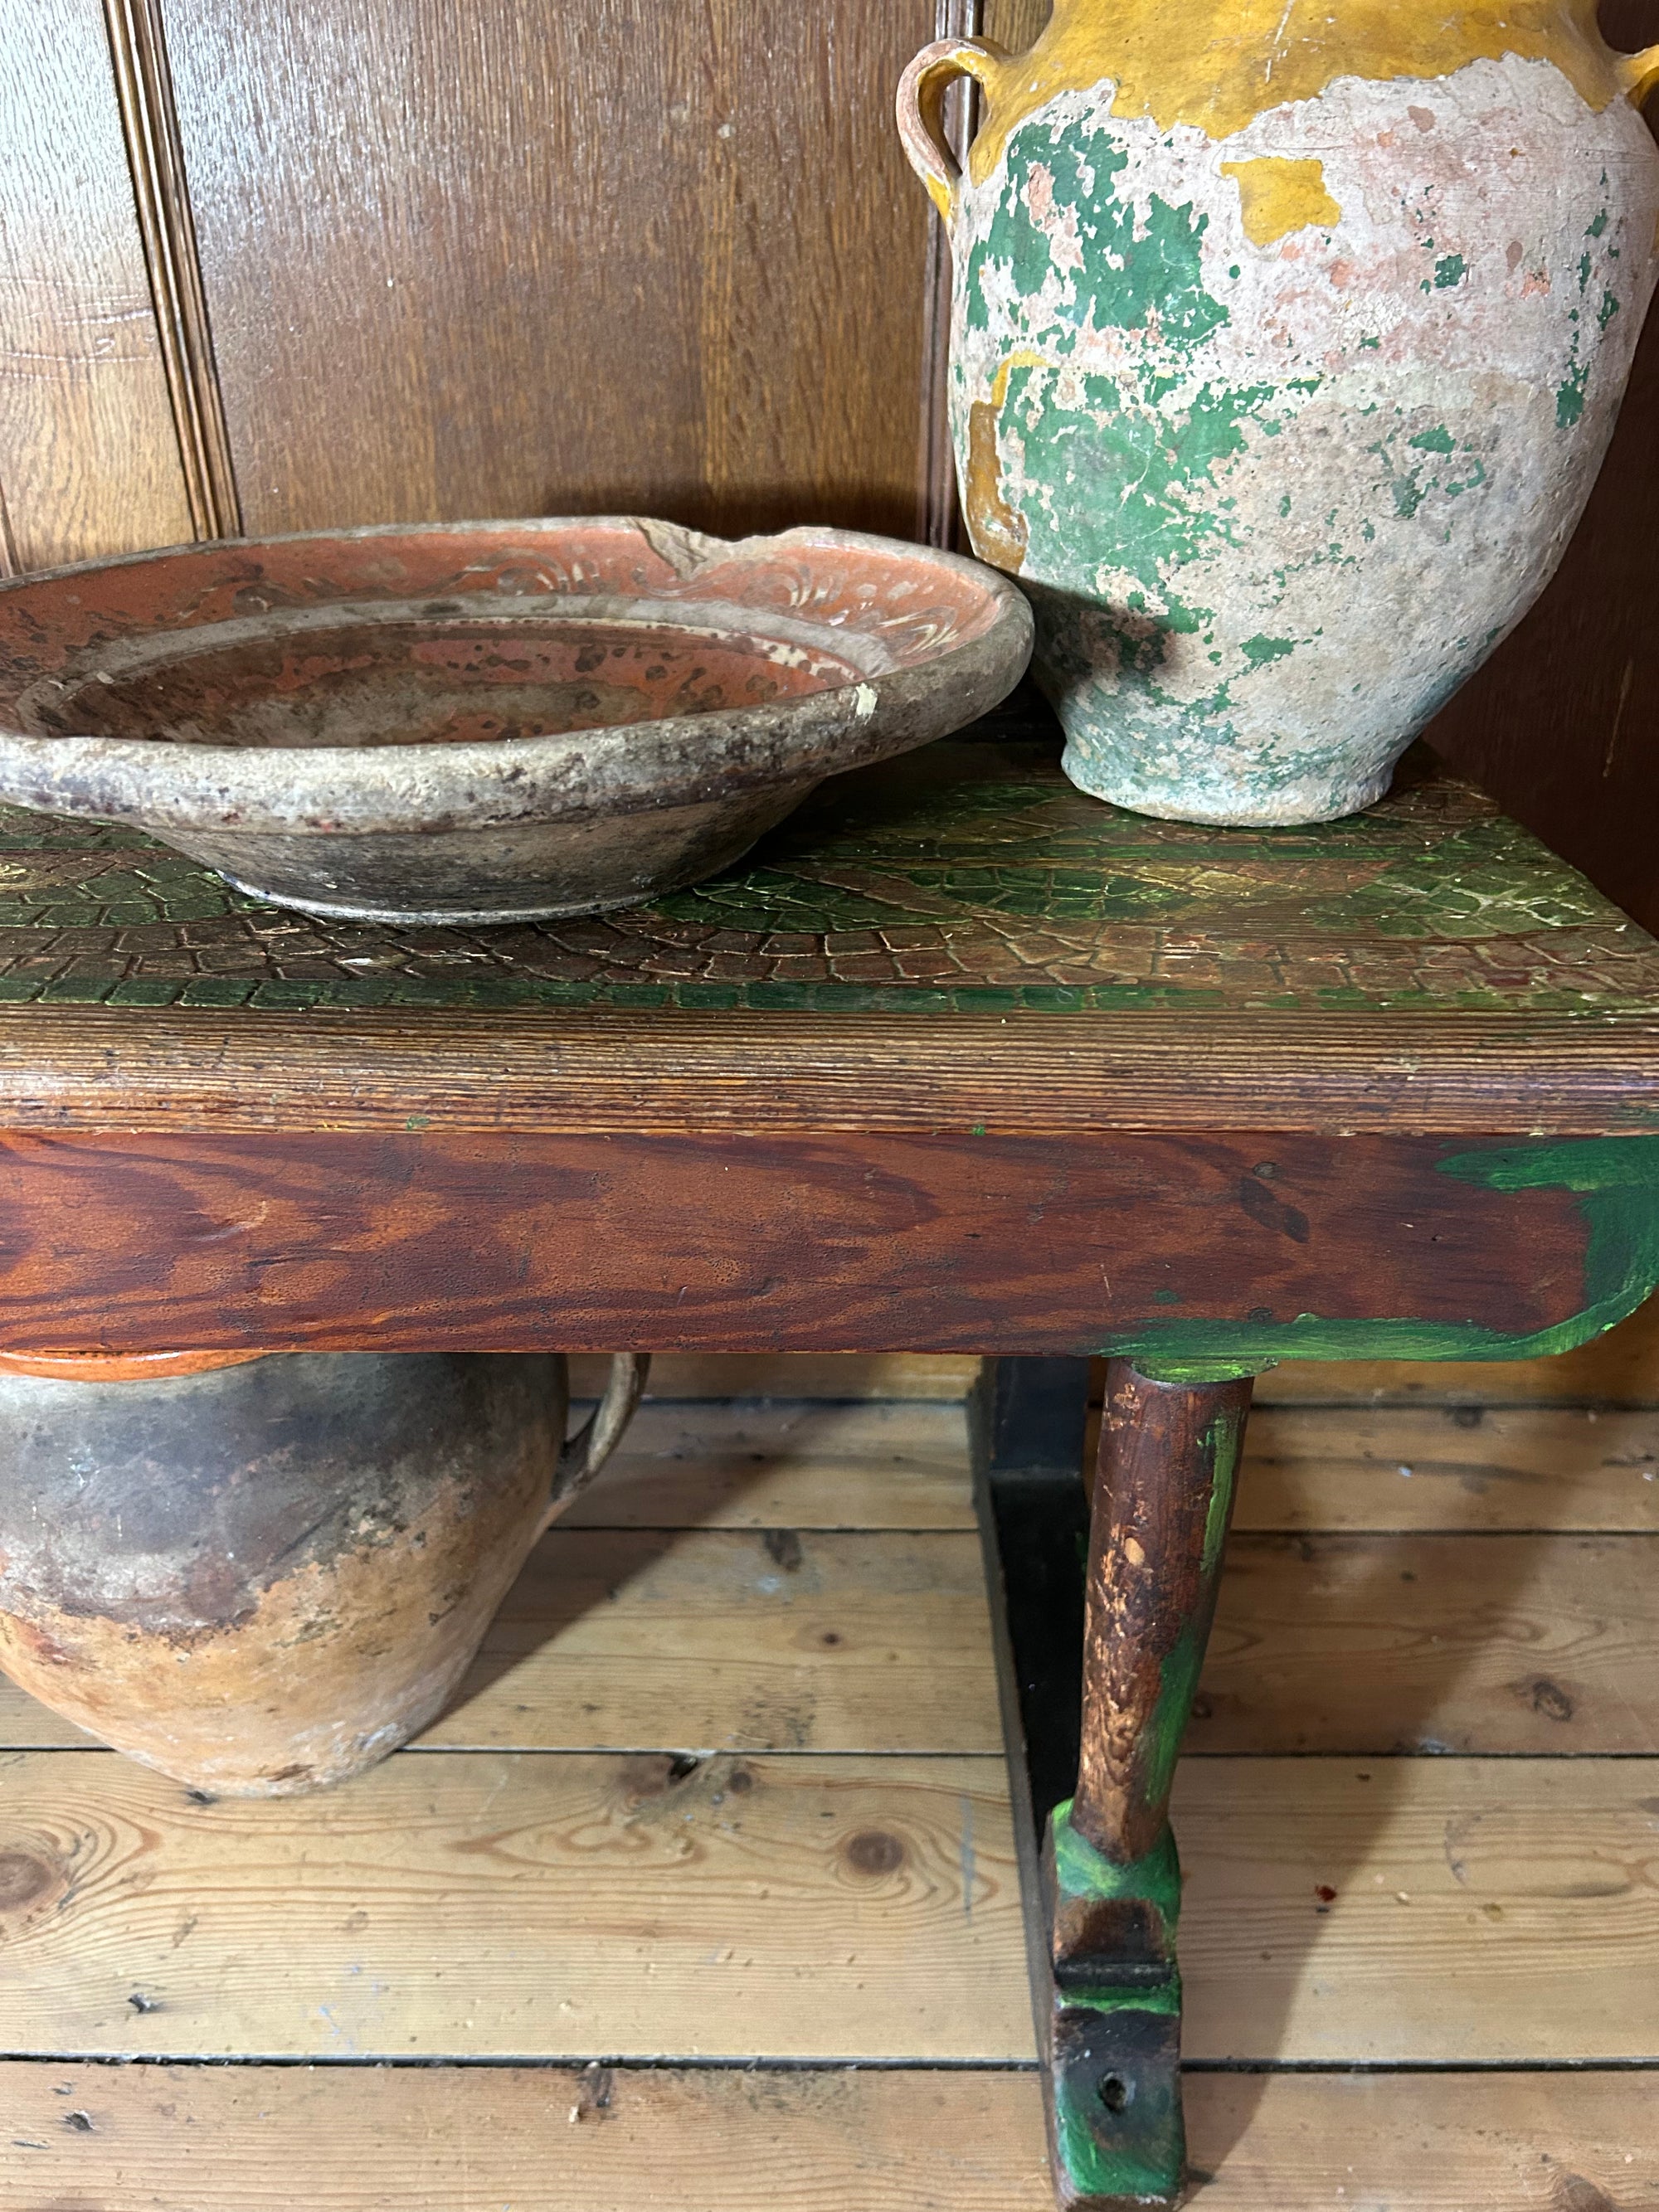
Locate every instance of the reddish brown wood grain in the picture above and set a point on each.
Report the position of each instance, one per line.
(833, 1242)
(1162, 1503)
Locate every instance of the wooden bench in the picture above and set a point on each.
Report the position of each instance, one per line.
(961, 1061)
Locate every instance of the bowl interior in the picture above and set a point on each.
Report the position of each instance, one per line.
(437, 673)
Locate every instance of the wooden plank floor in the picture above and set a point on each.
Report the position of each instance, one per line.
(704, 1893)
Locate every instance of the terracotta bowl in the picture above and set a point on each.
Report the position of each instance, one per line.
(479, 722)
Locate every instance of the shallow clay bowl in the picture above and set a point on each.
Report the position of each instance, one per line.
(478, 722)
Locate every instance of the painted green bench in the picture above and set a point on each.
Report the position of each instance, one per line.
(961, 1060)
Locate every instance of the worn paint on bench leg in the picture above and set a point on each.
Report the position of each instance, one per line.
(1163, 1492)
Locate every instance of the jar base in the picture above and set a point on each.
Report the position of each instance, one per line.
(1237, 802)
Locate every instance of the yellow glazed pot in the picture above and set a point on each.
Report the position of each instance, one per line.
(1288, 339)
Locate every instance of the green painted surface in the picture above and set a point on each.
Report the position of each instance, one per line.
(1574, 390)
(1616, 1181)
(970, 877)
(1082, 1871)
(1223, 1444)
(1124, 477)
(1094, 2169)
(1141, 2153)
(1201, 1370)
(1161, 1999)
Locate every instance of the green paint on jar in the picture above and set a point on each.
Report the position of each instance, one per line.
(1116, 485)
(1569, 396)
(1132, 276)
(1259, 651)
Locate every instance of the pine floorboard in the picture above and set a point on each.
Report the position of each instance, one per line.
(526, 1904)
(800, 1463)
(505, 1904)
(1491, 1643)
(749, 1843)
(381, 2139)
(1451, 1468)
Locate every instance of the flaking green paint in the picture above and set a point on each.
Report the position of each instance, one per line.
(1137, 270)
(1109, 305)
(1161, 1998)
(1222, 1443)
(1200, 1370)
(1570, 395)
(1023, 880)
(1573, 392)
(1095, 2170)
(1123, 480)
(1411, 483)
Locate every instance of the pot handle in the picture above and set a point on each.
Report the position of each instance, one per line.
(587, 1452)
(922, 110)
(1638, 73)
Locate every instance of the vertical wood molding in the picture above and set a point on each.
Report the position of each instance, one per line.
(8, 562)
(936, 518)
(149, 121)
(88, 450)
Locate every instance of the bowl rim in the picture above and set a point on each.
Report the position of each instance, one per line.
(662, 762)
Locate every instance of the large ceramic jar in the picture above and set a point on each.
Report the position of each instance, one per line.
(262, 1574)
(1288, 339)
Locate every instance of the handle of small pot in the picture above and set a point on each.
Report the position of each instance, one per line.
(587, 1452)
(921, 95)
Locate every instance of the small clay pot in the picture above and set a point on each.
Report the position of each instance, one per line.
(261, 1574)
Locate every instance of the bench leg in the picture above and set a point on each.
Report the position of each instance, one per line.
(1163, 1498)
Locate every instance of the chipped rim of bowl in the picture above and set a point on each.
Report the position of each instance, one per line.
(163, 784)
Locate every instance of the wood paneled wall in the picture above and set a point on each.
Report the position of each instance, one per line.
(475, 257)
(88, 459)
(528, 256)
